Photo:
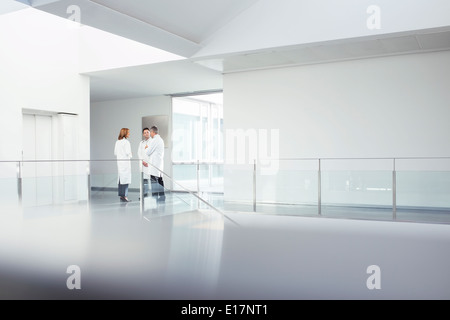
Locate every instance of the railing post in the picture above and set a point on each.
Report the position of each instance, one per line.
(19, 182)
(254, 185)
(198, 183)
(141, 193)
(88, 172)
(319, 189)
(394, 193)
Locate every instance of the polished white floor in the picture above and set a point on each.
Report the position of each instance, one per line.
(171, 251)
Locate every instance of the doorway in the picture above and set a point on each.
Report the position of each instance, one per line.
(197, 140)
(48, 137)
(37, 171)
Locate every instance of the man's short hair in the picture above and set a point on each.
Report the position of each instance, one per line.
(145, 129)
(154, 129)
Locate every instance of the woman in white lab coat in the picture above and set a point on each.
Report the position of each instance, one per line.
(122, 151)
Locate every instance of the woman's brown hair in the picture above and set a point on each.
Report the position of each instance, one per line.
(123, 133)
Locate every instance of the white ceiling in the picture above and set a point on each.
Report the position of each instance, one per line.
(7, 6)
(428, 40)
(194, 20)
(196, 75)
(175, 77)
(181, 27)
(172, 25)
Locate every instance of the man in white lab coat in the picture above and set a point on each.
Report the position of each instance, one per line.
(155, 152)
(142, 154)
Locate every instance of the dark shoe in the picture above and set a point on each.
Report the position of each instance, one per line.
(123, 199)
(161, 199)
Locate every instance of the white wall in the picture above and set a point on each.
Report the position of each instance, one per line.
(107, 118)
(39, 61)
(39, 71)
(384, 107)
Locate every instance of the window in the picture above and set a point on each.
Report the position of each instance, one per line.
(198, 138)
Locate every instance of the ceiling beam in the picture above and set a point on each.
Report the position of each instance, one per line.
(109, 20)
(27, 2)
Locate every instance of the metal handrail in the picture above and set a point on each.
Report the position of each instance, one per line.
(198, 162)
(359, 158)
(224, 162)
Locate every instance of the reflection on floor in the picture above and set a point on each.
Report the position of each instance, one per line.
(176, 250)
(424, 215)
(108, 203)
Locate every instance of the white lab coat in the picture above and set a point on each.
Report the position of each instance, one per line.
(122, 151)
(142, 154)
(155, 152)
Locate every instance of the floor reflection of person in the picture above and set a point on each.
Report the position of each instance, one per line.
(145, 168)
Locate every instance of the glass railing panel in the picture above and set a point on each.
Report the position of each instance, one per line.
(211, 183)
(216, 174)
(423, 190)
(211, 178)
(40, 185)
(185, 175)
(48, 188)
(74, 182)
(104, 180)
(172, 202)
(215, 189)
(148, 199)
(207, 177)
(174, 198)
(289, 187)
(204, 178)
(380, 189)
(40, 189)
(9, 193)
(238, 187)
(357, 188)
